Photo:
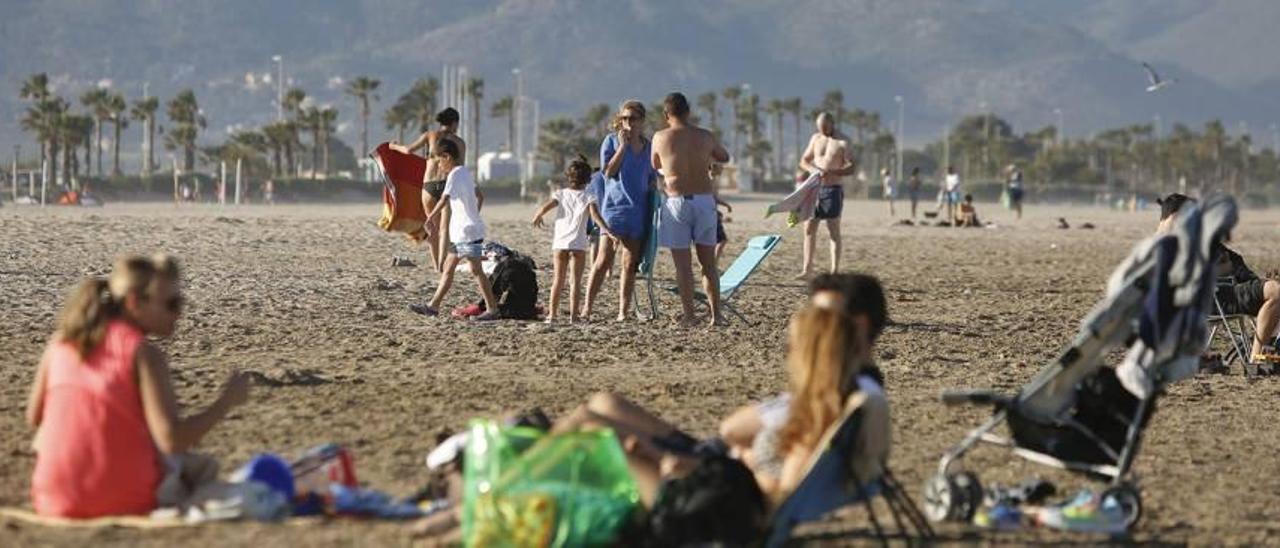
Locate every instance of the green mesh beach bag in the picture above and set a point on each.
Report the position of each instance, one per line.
(523, 487)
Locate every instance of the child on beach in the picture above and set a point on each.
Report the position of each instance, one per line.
(722, 238)
(574, 205)
(466, 230)
(968, 215)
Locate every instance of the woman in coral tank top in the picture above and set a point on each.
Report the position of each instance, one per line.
(103, 402)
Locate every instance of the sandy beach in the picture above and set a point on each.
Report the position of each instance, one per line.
(306, 297)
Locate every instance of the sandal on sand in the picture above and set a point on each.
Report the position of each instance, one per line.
(488, 316)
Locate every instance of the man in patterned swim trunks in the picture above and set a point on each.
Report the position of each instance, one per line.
(828, 154)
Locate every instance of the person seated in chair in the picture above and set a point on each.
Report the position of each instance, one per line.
(1244, 293)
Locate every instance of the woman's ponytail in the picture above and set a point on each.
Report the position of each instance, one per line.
(84, 318)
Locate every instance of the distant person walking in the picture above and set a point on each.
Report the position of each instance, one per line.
(913, 190)
(951, 196)
(890, 188)
(829, 155)
(683, 153)
(433, 179)
(628, 186)
(1013, 189)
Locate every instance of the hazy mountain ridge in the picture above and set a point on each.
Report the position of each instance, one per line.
(1022, 59)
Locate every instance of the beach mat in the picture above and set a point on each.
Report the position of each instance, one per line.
(401, 192)
(29, 517)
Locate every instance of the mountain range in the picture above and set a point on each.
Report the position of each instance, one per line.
(946, 58)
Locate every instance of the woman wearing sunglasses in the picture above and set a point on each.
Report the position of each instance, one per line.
(103, 401)
(625, 159)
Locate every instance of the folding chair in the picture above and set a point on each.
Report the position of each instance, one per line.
(854, 448)
(758, 249)
(1238, 330)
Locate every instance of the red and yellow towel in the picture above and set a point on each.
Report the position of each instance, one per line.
(402, 194)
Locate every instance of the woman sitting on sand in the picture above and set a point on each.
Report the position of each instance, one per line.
(103, 402)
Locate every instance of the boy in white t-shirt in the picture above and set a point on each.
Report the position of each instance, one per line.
(466, 231)
(574, 205)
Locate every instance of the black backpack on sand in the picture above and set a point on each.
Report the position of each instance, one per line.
(515, 284)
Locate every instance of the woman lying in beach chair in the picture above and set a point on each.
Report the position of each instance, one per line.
(103, 401)
(824, 363)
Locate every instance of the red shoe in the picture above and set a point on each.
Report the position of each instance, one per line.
(467, 311)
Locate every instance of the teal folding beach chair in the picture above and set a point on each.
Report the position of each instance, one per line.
(832, 481)
(758, 249)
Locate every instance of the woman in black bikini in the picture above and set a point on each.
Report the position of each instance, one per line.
(433, 178)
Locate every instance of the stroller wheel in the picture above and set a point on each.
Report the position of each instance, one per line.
(1129, 500)
(970, 491)
(945, 499)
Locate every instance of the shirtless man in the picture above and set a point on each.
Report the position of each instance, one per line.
(683, 153)
(434, 177)
(828, 155)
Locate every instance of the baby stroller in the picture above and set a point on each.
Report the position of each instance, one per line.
(1082, 416)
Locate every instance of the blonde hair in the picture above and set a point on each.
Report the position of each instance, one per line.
(629, 104)
(821, 369)
(98, 300)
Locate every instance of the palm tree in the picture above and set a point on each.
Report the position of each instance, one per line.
(36, 89)
(398, 118)
(328, 121)
(293, 99)
(77, 132)
(45, 119)
(732, 94)
(795, 106)
(117, 107)
(505, 106)
(557, 142)
(475, 90)
(308, 119)
(144, 110)
(187, 119)
(776, 108)
(96, 100)
(596, 120)
(363, 88)
(833, 102)
(707, 102)
(757, 148)
(277, 135)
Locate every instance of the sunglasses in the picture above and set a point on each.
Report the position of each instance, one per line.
(175, 304)
(632, 118)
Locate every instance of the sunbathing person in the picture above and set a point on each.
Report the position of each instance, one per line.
(825, 366)
(968, 216)
(1245, 294)
(103, 401)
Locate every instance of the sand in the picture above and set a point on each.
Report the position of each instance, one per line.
(305, 296)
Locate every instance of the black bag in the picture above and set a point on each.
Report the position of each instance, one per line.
(719, 502)
(515, 284)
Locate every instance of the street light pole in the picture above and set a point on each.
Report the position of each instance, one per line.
(279, 60)
(519, 110)
(898, 140)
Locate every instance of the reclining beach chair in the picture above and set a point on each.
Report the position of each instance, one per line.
(1238, 330)
(851, 469)
(758, 249)
(1080, 415)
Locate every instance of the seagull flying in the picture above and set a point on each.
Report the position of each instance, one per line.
(1156, 82)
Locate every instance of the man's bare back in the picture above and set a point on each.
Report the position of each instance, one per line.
(684, 154)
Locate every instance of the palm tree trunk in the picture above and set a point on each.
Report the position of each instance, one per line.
(364, 125)
(511, 130)
(53, 160)
(324, 153)
(188, 158)
(98, 124)
(475, 131)
(115, 151)
(151, 143)
(315, 153)
(67, 153)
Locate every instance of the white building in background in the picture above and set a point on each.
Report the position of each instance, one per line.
(497, 165)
